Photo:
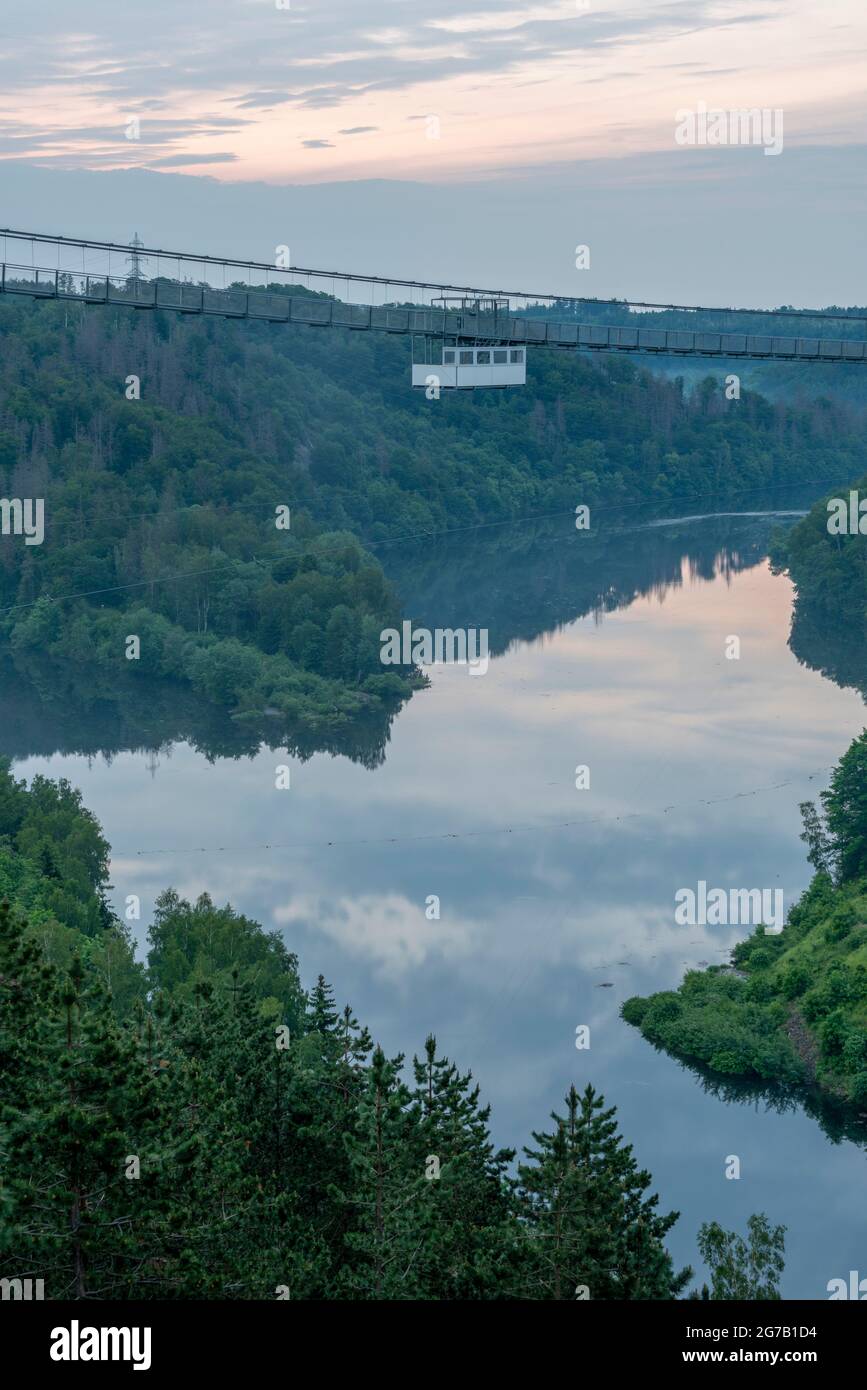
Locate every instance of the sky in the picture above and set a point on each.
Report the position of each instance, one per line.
(288, 90)
(554, 123)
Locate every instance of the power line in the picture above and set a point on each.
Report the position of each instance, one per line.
(244, 263)
(530, 828)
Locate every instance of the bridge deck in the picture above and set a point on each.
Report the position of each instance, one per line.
(427, 321)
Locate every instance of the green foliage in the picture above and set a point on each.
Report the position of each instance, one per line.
(160, 512)
(858, 1089)
(794, 980)
(744, 1269)
(854, 1050)
(818, 841)
(760, 989)
(161, 517)
(210, 1131)
(845, 804)
(633, 1010)
(762, 958)
(203, 1150)
(715, 1018)
(192, 943)
(54, 868)
(77, 1105)
(814, 973)
(799, 1014)
(592, 1230)
(60, 864)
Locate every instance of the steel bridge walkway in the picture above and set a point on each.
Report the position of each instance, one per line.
(274, 302)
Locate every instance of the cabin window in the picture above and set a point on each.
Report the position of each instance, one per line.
(517, 354)
(448, 356)
(500, 355)
(466, 359)
(483, 359)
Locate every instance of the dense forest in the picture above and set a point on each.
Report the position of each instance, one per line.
(218, 491)
(791, 1009)
(203, 1127)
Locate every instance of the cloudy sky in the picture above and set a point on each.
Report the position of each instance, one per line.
(317, 90)
(333, 126)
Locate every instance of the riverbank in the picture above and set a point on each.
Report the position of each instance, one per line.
(792, 1012)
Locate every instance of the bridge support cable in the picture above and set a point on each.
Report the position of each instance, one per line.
(83, 270)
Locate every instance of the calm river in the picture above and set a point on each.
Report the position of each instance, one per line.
(556, 904)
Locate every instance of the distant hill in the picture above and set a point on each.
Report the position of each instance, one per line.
(160, 511)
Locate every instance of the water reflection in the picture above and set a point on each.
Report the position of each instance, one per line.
(825, 642)
(522, 581)
(49, 706)
(697, 768)
(528, 580)
(837, 1121)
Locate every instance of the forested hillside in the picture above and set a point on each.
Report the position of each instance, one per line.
(161, 512)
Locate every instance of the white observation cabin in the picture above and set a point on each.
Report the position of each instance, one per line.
(456, 361)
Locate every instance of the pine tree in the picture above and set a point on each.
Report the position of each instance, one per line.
(355, 1048)
(81, 1123)
(316, 1085)
(28, 992)
(238, 1224)
(556, 1200)
(471, 1242)
(211, 1187)
(592, 1231)
(322, 1016)
(386, 1191)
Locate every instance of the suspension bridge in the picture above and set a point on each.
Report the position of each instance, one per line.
(466, 322)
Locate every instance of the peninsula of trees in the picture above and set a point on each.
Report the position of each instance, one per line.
(791, 1010)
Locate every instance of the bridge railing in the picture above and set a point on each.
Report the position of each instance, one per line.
(161, 292)
(667, 340)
